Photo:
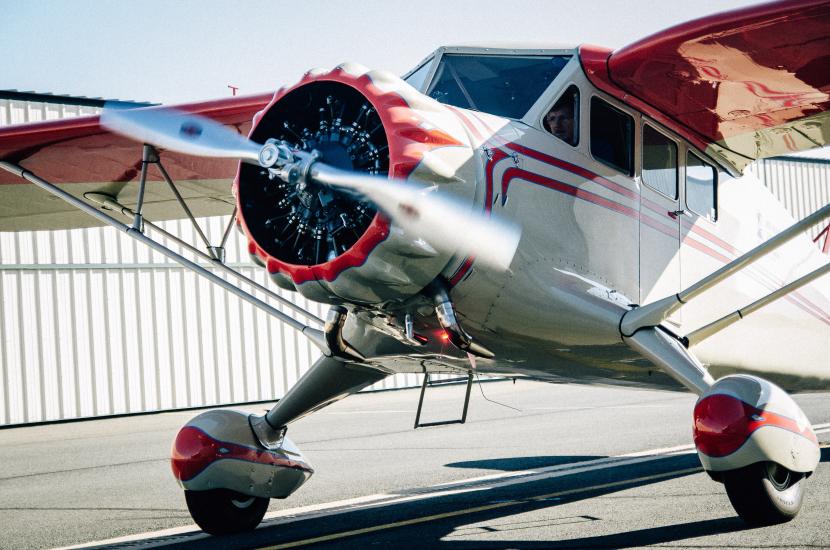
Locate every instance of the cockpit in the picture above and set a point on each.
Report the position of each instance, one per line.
(502, 82)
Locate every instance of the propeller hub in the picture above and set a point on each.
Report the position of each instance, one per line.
(268, 155)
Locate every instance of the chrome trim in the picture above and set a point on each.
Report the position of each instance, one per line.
(269, 437)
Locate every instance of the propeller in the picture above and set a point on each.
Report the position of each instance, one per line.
(442, 220)
(186, 133)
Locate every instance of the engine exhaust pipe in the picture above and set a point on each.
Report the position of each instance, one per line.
(445, 311)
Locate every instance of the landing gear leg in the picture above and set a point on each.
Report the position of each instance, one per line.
(230, 463)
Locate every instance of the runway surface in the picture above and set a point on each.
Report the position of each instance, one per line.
(575, 467)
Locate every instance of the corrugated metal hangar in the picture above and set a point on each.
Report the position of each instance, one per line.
(91, 324)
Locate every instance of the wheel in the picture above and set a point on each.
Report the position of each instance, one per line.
(222, 512)
(765, 493)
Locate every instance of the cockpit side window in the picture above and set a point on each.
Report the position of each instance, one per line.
(701, 187)
(562, 121)
(612, 136)
(659, 162)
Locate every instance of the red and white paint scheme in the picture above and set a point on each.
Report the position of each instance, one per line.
(743, 420)
(646, 257)
(217, 450)
(426, 143)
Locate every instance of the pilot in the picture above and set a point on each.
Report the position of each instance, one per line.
(559, 121)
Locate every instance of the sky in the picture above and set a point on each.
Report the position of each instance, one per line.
(180, 51)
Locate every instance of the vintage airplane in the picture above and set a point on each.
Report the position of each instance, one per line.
(398, 201)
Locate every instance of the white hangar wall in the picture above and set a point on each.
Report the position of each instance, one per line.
(809, 176)
(93, 323)
(14, 111)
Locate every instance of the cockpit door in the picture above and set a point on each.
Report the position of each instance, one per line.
(660, 213)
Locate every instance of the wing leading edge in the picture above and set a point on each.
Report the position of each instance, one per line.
(742, 85)
(78, 155)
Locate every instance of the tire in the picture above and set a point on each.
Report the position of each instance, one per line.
(224, 512)
(765, 493)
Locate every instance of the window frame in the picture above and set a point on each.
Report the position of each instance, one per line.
(428, 77)
(715, 179)
(548, 54)
(677, 151)
(577, 115)
(633, 156)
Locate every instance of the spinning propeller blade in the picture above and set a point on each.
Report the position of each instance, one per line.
(181, 132)
(443, 221)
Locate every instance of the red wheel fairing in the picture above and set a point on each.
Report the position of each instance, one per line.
(723, 423)
(194, 450)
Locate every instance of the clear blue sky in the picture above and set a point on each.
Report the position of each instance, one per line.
(176, 51)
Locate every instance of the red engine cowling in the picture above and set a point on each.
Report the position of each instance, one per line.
(330, 246)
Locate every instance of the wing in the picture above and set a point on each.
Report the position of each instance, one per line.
(742, 85)
(81, 157)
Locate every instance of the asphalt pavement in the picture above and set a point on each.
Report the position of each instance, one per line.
(536, 465)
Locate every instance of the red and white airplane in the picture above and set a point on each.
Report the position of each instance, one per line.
(570, 213)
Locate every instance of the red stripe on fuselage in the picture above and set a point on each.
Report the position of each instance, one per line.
(658, 224)
(574, 169)
(518, 173)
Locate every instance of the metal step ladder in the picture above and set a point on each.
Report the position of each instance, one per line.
(419, 424)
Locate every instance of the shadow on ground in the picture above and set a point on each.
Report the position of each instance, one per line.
(443, 522)
(515, 464)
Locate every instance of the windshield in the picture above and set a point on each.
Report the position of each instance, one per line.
(418, 76)
(504, 85)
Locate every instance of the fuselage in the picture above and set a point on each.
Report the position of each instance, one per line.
(599, 239)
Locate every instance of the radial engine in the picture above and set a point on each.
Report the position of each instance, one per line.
(330, 245)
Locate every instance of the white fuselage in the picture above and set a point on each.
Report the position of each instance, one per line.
(595, 241)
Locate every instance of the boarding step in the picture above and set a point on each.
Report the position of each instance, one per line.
(462, 420)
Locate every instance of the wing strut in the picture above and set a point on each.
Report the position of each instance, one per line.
(651, 315)
(340, 372)
(215, 257)
(642, 330)
(315, 335)
(716, 326)
(149, 156)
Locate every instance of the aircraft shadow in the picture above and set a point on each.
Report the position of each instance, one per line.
(520, 498)
(435, 522)
(628, 539)
(518, 463)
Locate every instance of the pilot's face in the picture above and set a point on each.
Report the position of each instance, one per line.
(561, 124)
